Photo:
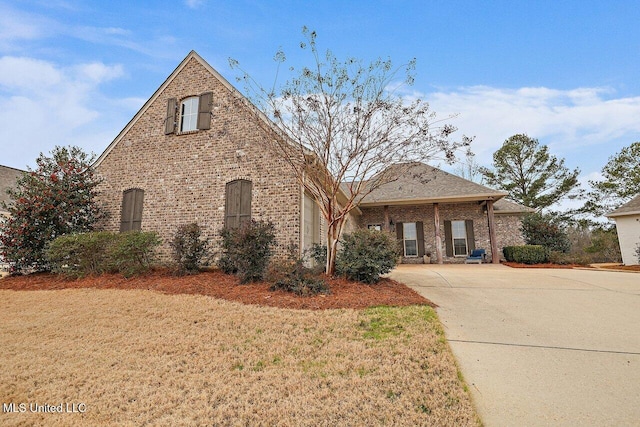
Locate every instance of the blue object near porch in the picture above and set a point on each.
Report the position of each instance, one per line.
(477, 255)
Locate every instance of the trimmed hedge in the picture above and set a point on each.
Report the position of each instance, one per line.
(526, 254)
(82, 254)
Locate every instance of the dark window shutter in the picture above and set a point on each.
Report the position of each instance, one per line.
(136, 222)
(448, 239)
(244, 215)
(170, 119)
(471, 240)
(127, 210)
(238, 203)
(420, 234)
(400, 232)
(131, 215)
(204, 110)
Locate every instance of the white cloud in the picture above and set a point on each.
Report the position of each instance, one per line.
(578, 124)
(194, 4)
(47, 105)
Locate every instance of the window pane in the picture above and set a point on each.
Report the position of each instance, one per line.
(410, 248)
(376, 227)
(460, 246)
(458, 230)
(409, 229)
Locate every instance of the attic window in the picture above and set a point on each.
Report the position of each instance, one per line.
(195, 113)
(189, 114)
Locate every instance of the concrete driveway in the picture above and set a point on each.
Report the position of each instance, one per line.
(540, 346)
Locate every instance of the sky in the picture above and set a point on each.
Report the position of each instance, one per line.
(567, 73)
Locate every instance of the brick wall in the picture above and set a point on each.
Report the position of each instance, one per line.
(507, 226)
(184, 175)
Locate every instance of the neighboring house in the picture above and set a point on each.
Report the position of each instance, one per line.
(468, 215)
(8, 177)
(627, 218)
(195, 153)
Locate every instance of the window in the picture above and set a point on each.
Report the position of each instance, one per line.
(189, 114)
(376, 227)
(131, 215)
(459, 235)
(410, 234)
(238, 203)
(195, 113)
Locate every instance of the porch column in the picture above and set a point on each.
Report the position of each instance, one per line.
(386, 226)
(495, 256)
(436, 220)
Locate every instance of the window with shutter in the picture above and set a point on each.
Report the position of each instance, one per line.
(238, 203)
(131, 215)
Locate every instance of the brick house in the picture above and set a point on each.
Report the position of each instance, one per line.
(468, 215)
(194, 153)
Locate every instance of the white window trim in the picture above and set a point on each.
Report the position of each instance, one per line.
(192, 114)
(405, 240)
(453, 238)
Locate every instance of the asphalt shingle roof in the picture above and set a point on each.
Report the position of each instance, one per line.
(632, 207)
(427, 184)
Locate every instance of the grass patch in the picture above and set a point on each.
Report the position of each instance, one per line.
(141, 357)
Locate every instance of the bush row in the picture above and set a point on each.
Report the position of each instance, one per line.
(78, 255)
(526, 254)
(246, 251)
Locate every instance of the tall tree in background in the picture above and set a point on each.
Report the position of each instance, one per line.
(56, 198)
(531, 175)
(620, 182)
(342, 124)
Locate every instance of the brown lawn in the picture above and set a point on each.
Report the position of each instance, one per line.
(139, 357)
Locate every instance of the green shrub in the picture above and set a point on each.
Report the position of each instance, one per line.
(291, 275)
(246, 251)
(318, 254)
(81, 254)
(546, 230)
(188, 250)
(78, 255)
(526, 254)
(133, 252)
(366, 254)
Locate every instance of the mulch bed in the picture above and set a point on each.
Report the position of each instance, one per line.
(344, 293)
(546, 265)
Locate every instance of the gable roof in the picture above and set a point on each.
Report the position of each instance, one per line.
(8, 178)
(632, 207)
(423, 183)
(167, 82)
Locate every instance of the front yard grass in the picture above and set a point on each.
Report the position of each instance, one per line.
(137, 357)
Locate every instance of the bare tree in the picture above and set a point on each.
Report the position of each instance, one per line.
(469, 168)
(342, 124)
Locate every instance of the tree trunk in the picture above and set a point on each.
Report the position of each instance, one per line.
(333, 235)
